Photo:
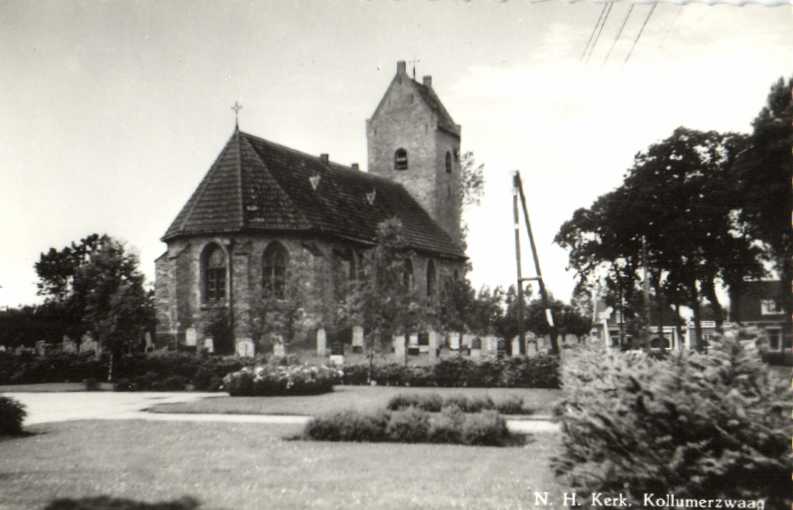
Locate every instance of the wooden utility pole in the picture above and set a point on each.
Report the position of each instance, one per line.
(518, 185)
(520, 305)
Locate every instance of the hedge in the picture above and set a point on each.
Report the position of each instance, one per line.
(713, 425)
(412, 425)
(536, 372)
(434, 402)
(137, 371)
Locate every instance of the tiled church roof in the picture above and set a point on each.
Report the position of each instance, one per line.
(432, 100)
(259, 186)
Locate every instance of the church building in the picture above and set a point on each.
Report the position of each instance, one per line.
(262, 207)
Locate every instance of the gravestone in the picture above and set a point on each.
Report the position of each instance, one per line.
(209, 345)
(149, 344)
(434, 347)
(2, 348)
(245, 347)
(399, 347)
(279, 349)
(337, 359)
(68, 345)
(357, 339)
(41, 348)
(322, 342)
(516, 346)
(454, 341)
(190, 337)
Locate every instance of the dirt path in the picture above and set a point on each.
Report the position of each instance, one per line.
(55, 407)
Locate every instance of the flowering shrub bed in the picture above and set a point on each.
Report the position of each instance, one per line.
(713, 425)
(262, 380)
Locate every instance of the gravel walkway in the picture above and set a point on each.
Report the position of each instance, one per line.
(90, 405)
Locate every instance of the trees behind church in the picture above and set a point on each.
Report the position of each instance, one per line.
(695, 210)
(96, 286)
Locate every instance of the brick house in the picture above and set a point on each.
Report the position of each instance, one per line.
(263, 206)
(760, 304)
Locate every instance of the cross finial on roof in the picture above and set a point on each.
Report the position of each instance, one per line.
(236, 107)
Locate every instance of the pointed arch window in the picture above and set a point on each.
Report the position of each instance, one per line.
(214, 273)
(448, 162)
(407, 274)
(431, 276)
(274, 265)
(401, 159)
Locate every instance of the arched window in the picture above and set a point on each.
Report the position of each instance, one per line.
(407, 275)
(214, 273)
(430, 278)
(274, 264)
(448, 162)
(401, 159)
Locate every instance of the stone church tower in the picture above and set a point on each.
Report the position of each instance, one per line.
(412, 139)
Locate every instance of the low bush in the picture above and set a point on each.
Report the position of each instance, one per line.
(714, 425)
(433, 402)
(410, 425)
(12, 414)
(347, 426)
(486, 428)
(91, 384)
(447, 426)
(430, 402)
(281, 380)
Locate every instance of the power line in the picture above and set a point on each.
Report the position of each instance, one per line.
(619, 32)
(592, 35)
(650, 13)
(603, 24)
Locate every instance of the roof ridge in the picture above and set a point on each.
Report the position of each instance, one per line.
(202, 187)
(331, 164)
(275, 180)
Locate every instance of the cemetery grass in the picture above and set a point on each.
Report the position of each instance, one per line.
(361, 398)
(251, 466)
(43, 387)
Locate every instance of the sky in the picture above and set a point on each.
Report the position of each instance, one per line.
(111, 112)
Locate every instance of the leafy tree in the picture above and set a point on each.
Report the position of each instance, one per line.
(98, 280)
(764, 173)
(673, 215)
(383, 301)
(472, 180)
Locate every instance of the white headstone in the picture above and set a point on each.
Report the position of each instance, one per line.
(357, 337)
(209, 344)
(322, 342)
(399, 346)
(414, 340)
(190, 337)
(149, 343)
(2, 348)
(279, 349)
(476, 353)
(454, 341)
(68, 345)
(516, 346)
(337, 359)
(468, 340)
(245, 347)
(434, 345)
(41, 348)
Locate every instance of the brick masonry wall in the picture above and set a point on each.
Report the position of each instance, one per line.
(179, 295)
(403, 120)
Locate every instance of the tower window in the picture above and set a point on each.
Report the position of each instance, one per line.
(214, 273)
(401, 159)
(448, 162)
(274, 263)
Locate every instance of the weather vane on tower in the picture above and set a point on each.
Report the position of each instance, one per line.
(236, 107)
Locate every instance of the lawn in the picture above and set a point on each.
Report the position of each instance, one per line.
(250, 466)
(363, 398)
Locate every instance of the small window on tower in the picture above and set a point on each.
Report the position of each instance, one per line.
(448, 162)
(401, 159)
